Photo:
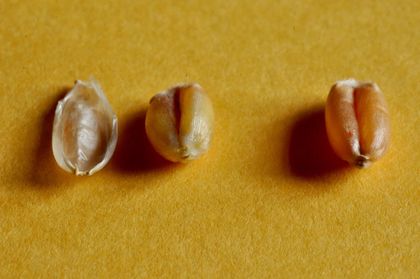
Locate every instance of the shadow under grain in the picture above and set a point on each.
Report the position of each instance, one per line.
(134, 153)
(310, 154)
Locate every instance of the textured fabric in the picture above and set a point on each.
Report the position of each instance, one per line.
(270, 199)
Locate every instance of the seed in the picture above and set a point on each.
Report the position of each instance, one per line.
(357, 122)
(179, 122)
(85, 129)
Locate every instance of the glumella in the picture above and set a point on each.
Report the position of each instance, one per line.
(357, 121)
(84, 130)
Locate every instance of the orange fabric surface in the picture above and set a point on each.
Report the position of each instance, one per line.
(270, 199)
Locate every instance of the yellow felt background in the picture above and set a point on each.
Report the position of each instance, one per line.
(269, 199)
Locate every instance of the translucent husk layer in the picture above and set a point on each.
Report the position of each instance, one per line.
(85, 129)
